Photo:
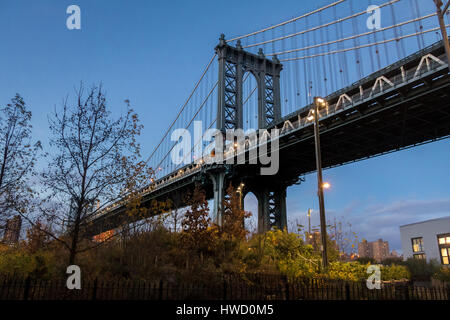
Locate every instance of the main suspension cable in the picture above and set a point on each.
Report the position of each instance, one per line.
(318, 27)
(288, 21)
(364, 45)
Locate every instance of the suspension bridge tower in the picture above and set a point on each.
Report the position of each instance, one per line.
(234, 63)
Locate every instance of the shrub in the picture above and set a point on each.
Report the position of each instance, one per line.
(420, 269)
(291, 256)
(443, 274)
(20, 263)
(394, 272)
(366, 260)
(355, 271)
(348, 271)
(391, 261)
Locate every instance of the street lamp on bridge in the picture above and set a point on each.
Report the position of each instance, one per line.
(320, 103)
(440, 14)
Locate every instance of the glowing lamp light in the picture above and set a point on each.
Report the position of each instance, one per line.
(320, 100)
(326, 185)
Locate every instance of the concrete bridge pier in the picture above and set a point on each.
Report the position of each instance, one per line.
(218, 179)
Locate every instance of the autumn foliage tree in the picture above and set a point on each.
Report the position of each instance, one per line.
(196, 232)
(234, 215)
(232, 231)
(93, 161)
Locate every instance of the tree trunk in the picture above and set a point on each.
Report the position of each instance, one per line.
(76, 231)
(73, 250)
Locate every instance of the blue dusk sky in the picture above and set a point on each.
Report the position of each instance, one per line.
(152, 53)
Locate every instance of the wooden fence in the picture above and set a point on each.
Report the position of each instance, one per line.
(219, 288)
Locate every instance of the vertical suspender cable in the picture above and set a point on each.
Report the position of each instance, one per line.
(359, 65)
(324, 75)
(305, 74)
(417, 25)
(420, 23)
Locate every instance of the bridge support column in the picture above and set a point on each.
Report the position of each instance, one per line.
(271, 208)
(218, 179)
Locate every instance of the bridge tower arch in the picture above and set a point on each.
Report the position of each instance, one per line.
(250, 104)
(234, 62)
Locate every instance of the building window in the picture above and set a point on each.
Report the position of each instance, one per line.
(417, 244)
(419, 256)
(444, 248)
(444, 239)
(445, 254)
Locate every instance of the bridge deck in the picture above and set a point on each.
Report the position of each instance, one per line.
(413, 109)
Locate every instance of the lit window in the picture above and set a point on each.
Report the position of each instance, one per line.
(417, 244)
(444, 248)
(445, 253)
(419, 256)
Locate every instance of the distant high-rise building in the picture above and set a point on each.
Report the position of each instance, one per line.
(378, 250)
(12, 230)
(365, 249)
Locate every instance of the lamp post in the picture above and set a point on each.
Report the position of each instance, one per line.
(240, 190)
(309, 223)
(440, 14)
(320, 102)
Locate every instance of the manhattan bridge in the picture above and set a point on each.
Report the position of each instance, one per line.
(386, 88)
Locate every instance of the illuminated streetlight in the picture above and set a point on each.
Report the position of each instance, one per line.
(309, 223)
(440, 14)
(318, 103)
(321, 101)
(240, 190)
(326, 185)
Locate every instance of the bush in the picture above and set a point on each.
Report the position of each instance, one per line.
(394, 272)
(355, 271)
(443, 274)
(366, 260)
(291, 256)
(391, 261)
(348, 271)
(420, 269)
(20, 263)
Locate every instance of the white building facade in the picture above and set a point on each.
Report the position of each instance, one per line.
(427, 240)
